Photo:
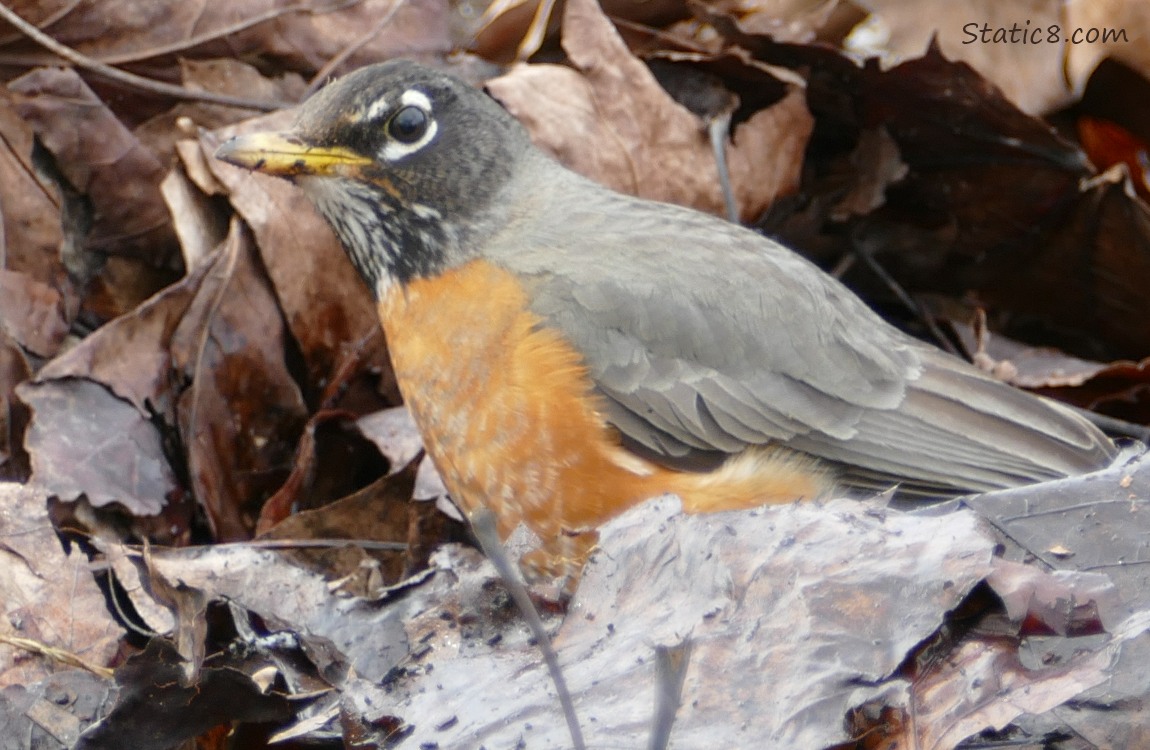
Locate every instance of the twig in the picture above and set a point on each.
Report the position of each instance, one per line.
(58, 655)
(915, 309)
(333, 543)
(322, 74)
(52, 18)
(235, 28)
(125, 78)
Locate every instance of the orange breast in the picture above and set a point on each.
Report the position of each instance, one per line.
(507, 413)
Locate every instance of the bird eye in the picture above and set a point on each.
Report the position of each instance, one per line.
(408, 124)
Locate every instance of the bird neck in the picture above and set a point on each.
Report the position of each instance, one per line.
(386, 243)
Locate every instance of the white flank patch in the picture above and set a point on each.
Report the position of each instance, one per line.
(628, 461)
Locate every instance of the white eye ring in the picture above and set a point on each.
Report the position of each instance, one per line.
(395, 150)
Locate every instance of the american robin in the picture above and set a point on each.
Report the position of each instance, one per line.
(568, 351)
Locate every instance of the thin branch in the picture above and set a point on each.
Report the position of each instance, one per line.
(322, 74)
(125, 78)
(52, 18)
(211, 36)
(58, 655)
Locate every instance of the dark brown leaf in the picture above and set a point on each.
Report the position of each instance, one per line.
(32, 313)
(242, 413)
(31, 215)
(104, 162)
(645, 143)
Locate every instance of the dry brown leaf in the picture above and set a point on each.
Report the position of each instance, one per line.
(1029, 74)
(380, 512)
(32, 313)
(614, 123)
(878, 167)
(130, 355)
(370, 30)
(103, 161)
(208, 355)
(242, 415)
(84, 440)
(333, 460)
(783, 20)
(47, 595)
(31, 235)
(196, 219)
(298, 36)
(14, 369)
(506, 23)
(220, 76)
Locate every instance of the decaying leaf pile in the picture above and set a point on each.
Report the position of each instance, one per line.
(210, 487)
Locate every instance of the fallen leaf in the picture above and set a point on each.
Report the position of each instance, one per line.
(1009, 43)
(32, 313)
(805, 608)
(48, 594)
(103, 161)
(242, 413)
(645, 143)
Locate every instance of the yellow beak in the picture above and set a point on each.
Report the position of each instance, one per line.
(286, 155)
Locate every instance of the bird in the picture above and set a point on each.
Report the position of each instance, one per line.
(568, 351)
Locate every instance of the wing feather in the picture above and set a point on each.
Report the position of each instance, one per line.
(733, 341)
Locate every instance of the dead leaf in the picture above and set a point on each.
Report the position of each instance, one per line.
(85, 440)
(32, 313)
(48, 595)
(103, 161)
(241, 416)
(799, 607)
(294, 36)
(610, 120)
(1132, 19)
(31, 215)
(1027, 66)
(55, 710)
(14, 369)
(333, 460)
(156, 711)
(782, 20)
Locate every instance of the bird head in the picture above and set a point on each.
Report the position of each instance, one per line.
(404, 162)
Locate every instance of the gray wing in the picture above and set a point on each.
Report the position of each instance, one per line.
(729, 340)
